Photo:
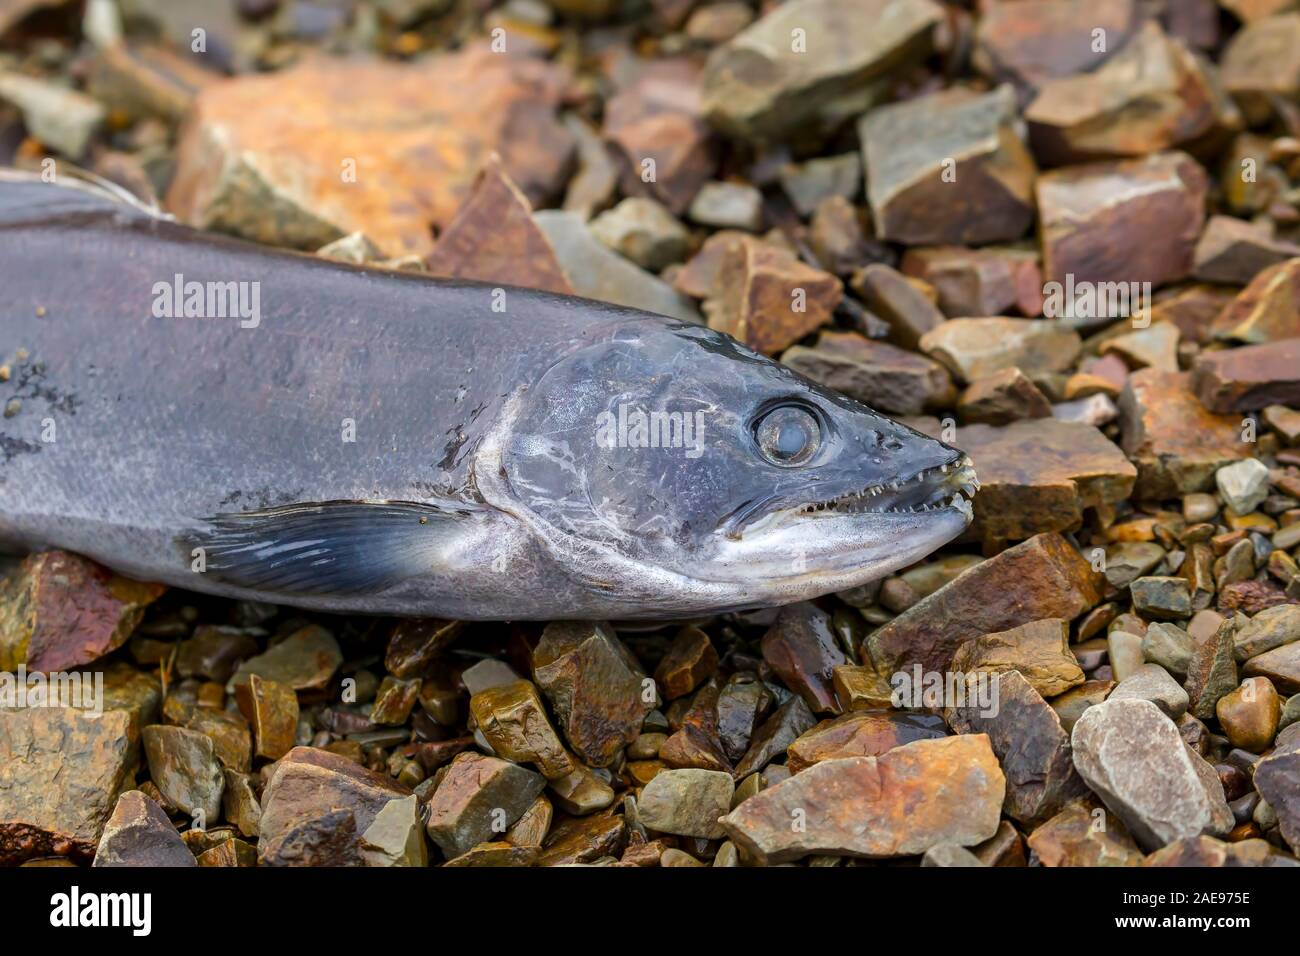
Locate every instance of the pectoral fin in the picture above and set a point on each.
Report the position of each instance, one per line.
(332, 547)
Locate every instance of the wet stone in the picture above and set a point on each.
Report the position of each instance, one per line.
(987, 281)
(1169, 646)
(531, 828)
(741, 703)
(1206, 851)
(691, 658)
(583, 840)
(1039, 651)
(59, 781)
(306, 661)
(801, 648)
(975, 348)
(1249, 378)
(1123, 653)
(1260, 63)
(231, 740)
(1073, 838)
(183, 764)
(1162, 597)
(394, 701)
(581, 792)
(596, 688)
(698, 742)
(271, 709)
(1132, 756)
(1153, 683)
(416, 644)
(879, 375)
(920, 152)
(59, 611)
(1249, 715)
(478, 797)
(686, 802)
(949, 854)
(1030, 41)
(239, 804)
(514, 721)
(861, 735)
(495, 854)
(1268, 630)
(1071, 705)
(789, 722)
(902, 803)
(139, 834)
(1153, 347)
(395, 837)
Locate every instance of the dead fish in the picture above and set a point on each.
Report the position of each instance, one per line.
(256, 423)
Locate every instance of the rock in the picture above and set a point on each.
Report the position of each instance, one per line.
(725, 205)
(1249, 715)
(1033, 749)
(741, 702)
(531, 828)
(1126, 561)
(1268, 630)
(1212, 672)
(395, 837)
(986, 281)
(231, 741)
(810, 183)
(1004, 848)
(1162, 597)
(898, 301)
(800, 647)
(61, 776)
(1153, 347)
(596, 272)
(213, 652)
(764, 85)
(595, 183)
(644, 231)
(1151, 95)
(976, 348)
(1277, 778)
(239, 804)
(1243, 484)
(902, 803)
(879, 375)
(1206, 851)
(1151, 682)
(595, 686)
(1260, 63)
(493, 238)
(949, 854)
(686, 802)
(1127, 221)
(1028, 42)
(1002, 398)
(63, 119)
(774, 736)
(1281, 666)
(139, 834)
(394, 701)
(271, 709)
(1071, 705)
(1039, 650)
(582, 840)
(1132, 756)
(581, 792)
(1249, 378)
(183, 765)
(766, 298)
(402, 159)
(59, 611)
(922, 153)
(839, 241)
(1175, 443)
(698, 742)
(1124, 653)
(658, 130)
(1039, 578)
(487, 674)
(1266, 310)
(514, 722)
(861, 688)
(690, 660)
(1040, 475)
(497, 854)
(860, 735)
(1074, 838)
(717, 23)
(1234, 251)
(355, 247)
(305, 660)
(1169, 646)
(319, 805)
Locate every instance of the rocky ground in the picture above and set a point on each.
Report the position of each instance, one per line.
(1129, 588)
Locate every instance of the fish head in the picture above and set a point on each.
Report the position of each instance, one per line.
(669, 463)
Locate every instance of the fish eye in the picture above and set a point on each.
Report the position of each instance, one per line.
(788, 435)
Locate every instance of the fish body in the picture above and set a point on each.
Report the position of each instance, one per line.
(201, 411)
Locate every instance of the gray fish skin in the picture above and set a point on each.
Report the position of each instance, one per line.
(211, 456)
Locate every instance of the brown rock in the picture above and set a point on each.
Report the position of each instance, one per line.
(583, 839)
(231, 741)
(1002, 398)
(800, 646)
(1267, 310)
(59, 780)
(861, 734)
(1071, 705)
(775, 735)
(1040, 475)
(1207, 851)
(1030, 41)
(861, 688)
(691, 658)
(271, 709)
(514, 722)
(741, 702)
(881, 376)
(1249, 715)
(948, 167)
(892, 297)
(686, 802)
(417, 643)
(1281, 666)
(766, 298)
(239, 804)
(1249, 378)
(1127, 221)
(1234, 251)
(1277, 778)
(497, 853)
(493, 238)
(1151, 95)
(213, 652)
(139, 834)
(1039, 578)
(394, 701)
(975, 348)
(305, 660)
(1261, 63)
(1039, 650)
(902, 803)
(596, 688)
(1175, 443)
(183, 765)
(399, 160)
(1084, 834)
(986, 281)
(59, 611)
(531, 828)
(698, 743)
(1153, 347)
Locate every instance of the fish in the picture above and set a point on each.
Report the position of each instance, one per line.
(193, 409)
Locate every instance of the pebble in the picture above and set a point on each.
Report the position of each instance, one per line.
(183, 764)
(644, 231)
(1249, 715)
(1243, 484)
(686, 802)
(725, 205)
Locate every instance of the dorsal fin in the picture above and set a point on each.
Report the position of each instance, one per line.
(26, 198)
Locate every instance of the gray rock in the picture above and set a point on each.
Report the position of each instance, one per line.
(687, 802)
(728, 206)
(1134, 758)
(61, 118)
(1243, 484)
(1169, 646)
(487, 674)
(139, 834)
(950, 854)
(1268, 630)
(808, 183)
(184, 766)
(1153, 683)
(644, 231)
(396, 836)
